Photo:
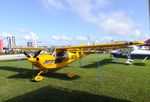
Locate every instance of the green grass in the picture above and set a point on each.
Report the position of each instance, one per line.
(119, 82)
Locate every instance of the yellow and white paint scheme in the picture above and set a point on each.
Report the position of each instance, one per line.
(65, 55)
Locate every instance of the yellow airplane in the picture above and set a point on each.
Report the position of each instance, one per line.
(63, 56)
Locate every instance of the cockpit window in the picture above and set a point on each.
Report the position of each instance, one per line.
(60, 56)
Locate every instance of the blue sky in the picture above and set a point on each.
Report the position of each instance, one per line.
(70, 22)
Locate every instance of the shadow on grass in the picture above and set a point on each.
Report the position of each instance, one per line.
(57, 94)
(62, 76)
(95, 64)
(139, 64)
(28, 73)
(14, 69)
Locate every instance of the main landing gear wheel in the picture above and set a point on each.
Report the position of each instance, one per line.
(70, 74)
(38, 78)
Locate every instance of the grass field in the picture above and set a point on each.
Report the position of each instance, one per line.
(119, 82)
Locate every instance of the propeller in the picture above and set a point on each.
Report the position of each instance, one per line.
(37, 53)
(26, 54)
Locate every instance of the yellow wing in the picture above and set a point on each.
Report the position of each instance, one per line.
(28, 48)
(119, 44)
(84, 47)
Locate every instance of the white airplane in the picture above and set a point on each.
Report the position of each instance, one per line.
(131, 53)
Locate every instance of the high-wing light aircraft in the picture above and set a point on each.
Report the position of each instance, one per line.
(63, 56)
(133, 52)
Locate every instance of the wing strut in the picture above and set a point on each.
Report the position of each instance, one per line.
(80, 63)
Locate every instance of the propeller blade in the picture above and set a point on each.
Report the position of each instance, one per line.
(26, 54)
(37, 53)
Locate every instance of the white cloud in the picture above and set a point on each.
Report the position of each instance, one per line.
(5, 34)
(56, 4)
(81, 38)
(67, 38)
(61, 37)
(22, 30)
(91, 11)
(76, 40)
(31, 36)
(59, 4)
(56, 37)
(105, 39)
(118, 23)
(84, 8)
(108, 38)
(146, 36)
(88, 9)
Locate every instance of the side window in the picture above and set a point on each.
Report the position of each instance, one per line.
(60, 56)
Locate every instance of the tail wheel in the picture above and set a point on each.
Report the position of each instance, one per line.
(70, 74)
(38, 78)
